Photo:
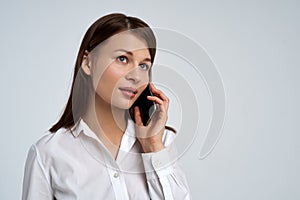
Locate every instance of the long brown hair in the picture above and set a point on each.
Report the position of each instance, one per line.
(99, 31)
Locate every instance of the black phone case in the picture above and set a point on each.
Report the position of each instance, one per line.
(146, 106)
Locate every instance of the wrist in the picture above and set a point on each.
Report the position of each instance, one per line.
(153, 147)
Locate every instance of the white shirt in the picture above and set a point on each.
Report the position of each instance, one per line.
(76, 165)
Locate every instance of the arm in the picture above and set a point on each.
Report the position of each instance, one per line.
(36, 185)
(165, 178)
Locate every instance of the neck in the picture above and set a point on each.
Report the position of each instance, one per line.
(106, 120)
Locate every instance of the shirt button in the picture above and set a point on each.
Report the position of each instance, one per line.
(116, 175)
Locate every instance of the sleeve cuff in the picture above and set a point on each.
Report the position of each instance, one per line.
(157, 164)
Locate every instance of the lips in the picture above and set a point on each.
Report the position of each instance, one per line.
(129, 89)
(128, 92)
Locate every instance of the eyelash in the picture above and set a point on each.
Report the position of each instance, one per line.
(121, 57)
(127, 59)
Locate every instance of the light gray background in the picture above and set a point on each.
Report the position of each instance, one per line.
(254, 44)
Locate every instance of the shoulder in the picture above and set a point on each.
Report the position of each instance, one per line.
(168, 136)
(51, 143)
(50, 139)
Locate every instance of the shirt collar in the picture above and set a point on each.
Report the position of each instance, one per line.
(81, 126)
(127, 142)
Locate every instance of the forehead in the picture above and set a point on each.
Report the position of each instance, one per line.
(125, 40)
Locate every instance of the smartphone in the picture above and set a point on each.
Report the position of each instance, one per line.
(146, 107)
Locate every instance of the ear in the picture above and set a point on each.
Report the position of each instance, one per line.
(85, 64)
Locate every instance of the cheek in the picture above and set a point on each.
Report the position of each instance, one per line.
(100, 71)
(107, 82)
(145, 79)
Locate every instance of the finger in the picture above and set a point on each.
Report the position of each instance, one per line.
(158, 92)
(161, 105)
(137, 116)
(155, 99)
(158, 101)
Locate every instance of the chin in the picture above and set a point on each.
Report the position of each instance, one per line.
(122, 104)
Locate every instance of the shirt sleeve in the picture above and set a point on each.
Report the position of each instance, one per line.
(165, 178)
(36, 185)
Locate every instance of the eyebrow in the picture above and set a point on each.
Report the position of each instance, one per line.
(130, 53)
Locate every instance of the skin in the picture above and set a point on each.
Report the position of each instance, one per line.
(109, 70)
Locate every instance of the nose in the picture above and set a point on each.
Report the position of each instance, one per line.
(133, 75)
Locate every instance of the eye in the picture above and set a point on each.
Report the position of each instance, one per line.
(144, 66)
(122, 59)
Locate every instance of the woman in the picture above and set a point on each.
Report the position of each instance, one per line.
(99, 148)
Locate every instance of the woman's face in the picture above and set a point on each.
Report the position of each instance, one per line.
(120, 69)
